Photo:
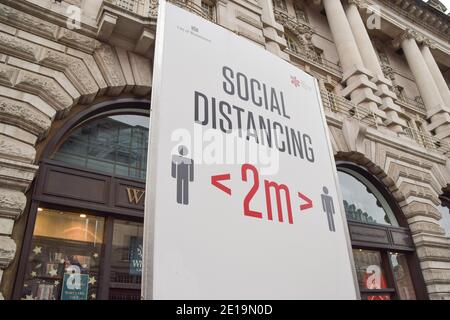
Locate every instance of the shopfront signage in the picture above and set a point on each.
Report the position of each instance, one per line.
(136, 256)
(135, 195)
(242, 199)
(75, 286)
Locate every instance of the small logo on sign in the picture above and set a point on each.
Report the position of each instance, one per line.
(295, 81)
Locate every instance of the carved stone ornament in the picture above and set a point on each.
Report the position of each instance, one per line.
(408, 34)
(153, 8)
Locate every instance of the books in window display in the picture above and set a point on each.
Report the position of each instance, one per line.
(66, 253)
(41, 289)
(45, 292)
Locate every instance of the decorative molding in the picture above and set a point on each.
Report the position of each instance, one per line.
(34, 25)
(358, 3)
(46, 88)
(248, 19)
(24, 116)
(408, 34)
(302, 32)
(12, 203)
(250, 35)
(16, 150)
(430, 43)
(420, 13)
(109, 65)
(7, 251)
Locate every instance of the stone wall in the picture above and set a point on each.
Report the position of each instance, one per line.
(45, 70)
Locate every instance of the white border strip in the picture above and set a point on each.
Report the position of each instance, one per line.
(151, 183)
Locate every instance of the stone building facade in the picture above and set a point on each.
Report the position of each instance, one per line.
(383, 67)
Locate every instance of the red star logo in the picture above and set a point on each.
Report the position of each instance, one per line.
(295, 81)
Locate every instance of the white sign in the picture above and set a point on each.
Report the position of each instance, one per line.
(241, 199)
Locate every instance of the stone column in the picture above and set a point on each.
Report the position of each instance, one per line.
(435, 71)
(437, 112)
(424, 80)
(371, 62)
(355, 75)
(222, 13)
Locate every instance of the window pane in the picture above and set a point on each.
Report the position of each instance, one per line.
(113, 145)
(402, 276)
(363, 202)
(385, 296)
(126, 257)
(445, 221)
(65, 256)
(370, 272)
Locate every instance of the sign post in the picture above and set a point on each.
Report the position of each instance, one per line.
(242, 199)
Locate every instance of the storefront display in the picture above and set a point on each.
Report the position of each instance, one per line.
(65, 246)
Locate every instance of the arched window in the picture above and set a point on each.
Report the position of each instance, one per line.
(85, 222)
(115, 144)
(386, 267)
(362, 201)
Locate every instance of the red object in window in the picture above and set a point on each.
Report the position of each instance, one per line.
(375, 281)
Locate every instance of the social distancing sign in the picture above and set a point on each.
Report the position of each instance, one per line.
(242, 199)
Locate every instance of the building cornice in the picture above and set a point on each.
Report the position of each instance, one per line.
(422, 14)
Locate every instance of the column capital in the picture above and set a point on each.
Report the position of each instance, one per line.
(407, 34)
(358, 3)
(430, 43)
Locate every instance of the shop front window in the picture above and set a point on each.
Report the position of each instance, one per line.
(126, 260)
(371, 275)
(363, 202)
(373, 268)
(402, 276)
(64, 256)
(114, 144)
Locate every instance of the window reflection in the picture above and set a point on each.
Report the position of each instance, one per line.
(370, 272)
(362, 201)
(402, 276)
(445, 220)
(126, 260)
(114, 144)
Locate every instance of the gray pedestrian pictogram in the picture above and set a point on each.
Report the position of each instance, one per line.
(328, 207)
(183, 171)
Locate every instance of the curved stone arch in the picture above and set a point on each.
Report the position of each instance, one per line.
(391, 169)
(378, 172)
